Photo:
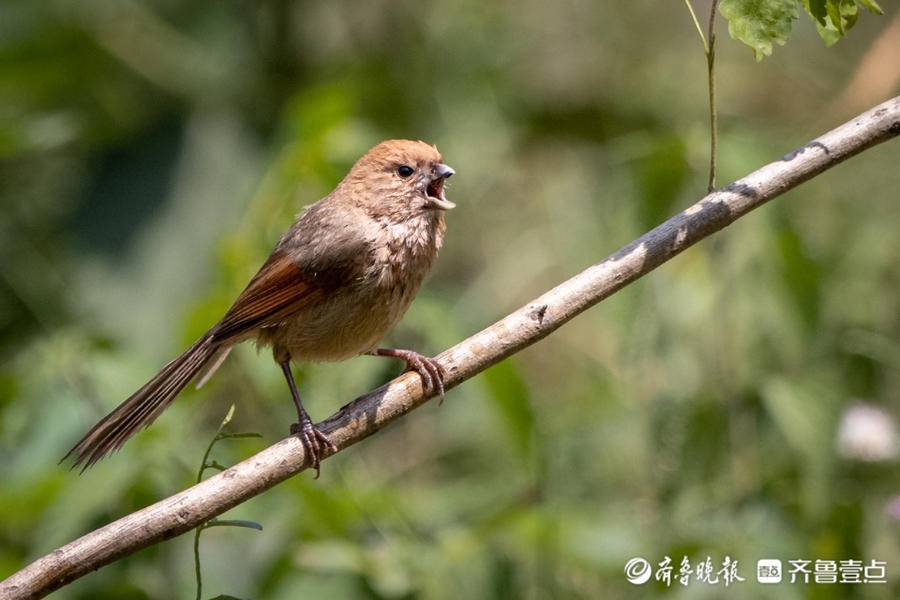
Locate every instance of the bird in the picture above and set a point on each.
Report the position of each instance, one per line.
(336, 282)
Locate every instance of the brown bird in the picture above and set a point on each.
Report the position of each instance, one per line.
(337, 281)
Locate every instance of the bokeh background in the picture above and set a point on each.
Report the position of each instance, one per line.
(739, 401)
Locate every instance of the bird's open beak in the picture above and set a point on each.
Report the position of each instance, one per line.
(435, 190)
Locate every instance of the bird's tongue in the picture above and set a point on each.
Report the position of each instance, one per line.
(436, 197)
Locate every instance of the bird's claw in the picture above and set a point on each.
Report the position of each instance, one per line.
(314, 442)
(431, 372)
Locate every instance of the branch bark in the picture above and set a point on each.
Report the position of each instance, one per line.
(537, 319)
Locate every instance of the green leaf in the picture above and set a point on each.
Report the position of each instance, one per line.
(834, 18)
(850, 16)
(227, 418)
(872, 6)
(233, 523)
(842, 16)
(760, 23)
(233, 436)
(833, 7)
(828, 34)
(816, 9)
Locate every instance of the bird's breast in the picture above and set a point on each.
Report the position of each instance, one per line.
(354, 318)
(405, 252)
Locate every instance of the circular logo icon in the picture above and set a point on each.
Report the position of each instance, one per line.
(637, 571)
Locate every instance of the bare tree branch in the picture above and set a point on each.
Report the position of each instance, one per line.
(366, 415)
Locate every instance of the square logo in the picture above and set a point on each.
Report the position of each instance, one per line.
(768, 570)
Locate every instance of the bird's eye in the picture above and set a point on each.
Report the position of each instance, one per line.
(405, 171)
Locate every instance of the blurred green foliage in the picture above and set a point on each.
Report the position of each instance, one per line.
(152, 152)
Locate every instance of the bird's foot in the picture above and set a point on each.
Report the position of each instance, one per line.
(314, 442)
(430, 370)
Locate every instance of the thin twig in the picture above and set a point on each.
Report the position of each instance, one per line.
(713, 111)
(197, 573)
(697, 25)
(199, 529)
(534, 321)
(204, 465)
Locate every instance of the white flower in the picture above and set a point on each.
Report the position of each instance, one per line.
(867, 433)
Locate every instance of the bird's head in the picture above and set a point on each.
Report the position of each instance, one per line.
(399, 180)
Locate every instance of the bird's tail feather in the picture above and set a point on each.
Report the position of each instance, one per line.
(142, 407)
(212, 365)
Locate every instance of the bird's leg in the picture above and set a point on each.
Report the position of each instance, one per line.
(314, 441)
(430, 370)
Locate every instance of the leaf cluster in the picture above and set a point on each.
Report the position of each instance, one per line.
(760, 24)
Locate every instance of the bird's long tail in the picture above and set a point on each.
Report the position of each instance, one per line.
(142, 407)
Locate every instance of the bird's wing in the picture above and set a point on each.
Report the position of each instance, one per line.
(279, 289)
(319, 255)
